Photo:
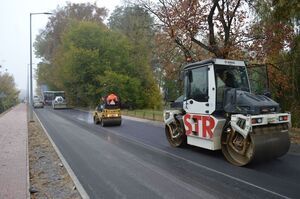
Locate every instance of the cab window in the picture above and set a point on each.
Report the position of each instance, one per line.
(197, 84)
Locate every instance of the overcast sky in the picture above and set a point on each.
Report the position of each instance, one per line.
(14, 35)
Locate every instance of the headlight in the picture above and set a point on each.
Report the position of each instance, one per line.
(283, 118)
(256, 120)
(167, 115)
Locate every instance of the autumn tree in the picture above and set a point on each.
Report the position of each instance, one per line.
(278, 21)
(216, 26)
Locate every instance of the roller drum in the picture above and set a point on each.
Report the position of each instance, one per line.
(111, 121)
(263, 143)
(270, 141)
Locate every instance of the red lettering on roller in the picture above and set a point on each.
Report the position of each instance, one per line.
(197, 119)
(187, 124)
(207, 128)
(203, 125)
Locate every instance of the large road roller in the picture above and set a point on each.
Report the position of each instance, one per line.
(108, 112)
(218, 111)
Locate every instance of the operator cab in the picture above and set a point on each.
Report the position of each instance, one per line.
(228, 77)
(206, 82)
(219, 86)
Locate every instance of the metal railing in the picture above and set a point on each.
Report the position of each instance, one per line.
(155, 115)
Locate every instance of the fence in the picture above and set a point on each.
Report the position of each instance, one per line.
(145, 114)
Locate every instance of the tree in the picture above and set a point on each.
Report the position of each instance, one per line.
(128, 88)
(77, 47)
(49, 39)
(89, 49)
(217, 26)
(278, 21)
(137, 25)
(8, 92)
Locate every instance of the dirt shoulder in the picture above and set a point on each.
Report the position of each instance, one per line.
(48, 176)
(295, 141)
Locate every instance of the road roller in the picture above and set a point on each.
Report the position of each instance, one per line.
(108, 112)
(218, 111)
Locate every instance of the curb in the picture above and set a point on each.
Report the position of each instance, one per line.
(78, 185)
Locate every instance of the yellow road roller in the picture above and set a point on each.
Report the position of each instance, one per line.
(108, 112)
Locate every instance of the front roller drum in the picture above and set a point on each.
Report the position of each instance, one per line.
(111, 121)
(263, 143)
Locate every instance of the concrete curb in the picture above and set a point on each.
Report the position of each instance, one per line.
(78, 185)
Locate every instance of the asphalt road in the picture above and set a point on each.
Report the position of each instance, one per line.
(136, 161)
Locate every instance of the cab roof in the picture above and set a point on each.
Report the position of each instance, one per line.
(216, 61)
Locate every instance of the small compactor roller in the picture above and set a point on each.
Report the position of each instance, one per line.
(218, 111)
(108, 112)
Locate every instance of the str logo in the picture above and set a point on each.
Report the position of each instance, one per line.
(200, 125)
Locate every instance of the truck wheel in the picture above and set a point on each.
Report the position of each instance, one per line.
(175, 134)
(236, 149)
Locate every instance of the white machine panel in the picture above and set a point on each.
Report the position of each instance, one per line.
(203, 130)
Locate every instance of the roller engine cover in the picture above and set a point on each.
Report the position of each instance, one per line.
(242, 102)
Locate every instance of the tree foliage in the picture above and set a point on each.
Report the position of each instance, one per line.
(216, 26)
(138, 26)
(90, 59)
(278, 21)
(8, 92)
(50, 39)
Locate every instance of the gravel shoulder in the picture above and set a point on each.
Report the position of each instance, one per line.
(295, 141)
(48, 176)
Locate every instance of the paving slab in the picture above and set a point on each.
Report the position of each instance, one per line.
(13, 153)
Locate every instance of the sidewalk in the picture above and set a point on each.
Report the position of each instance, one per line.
(13, 154)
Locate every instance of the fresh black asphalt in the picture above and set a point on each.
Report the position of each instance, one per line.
(136, 161)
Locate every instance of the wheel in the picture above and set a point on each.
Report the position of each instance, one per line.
(175, 134)
(236, 149)
(96, 120)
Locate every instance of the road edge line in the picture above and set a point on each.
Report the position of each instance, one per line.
(78, 185)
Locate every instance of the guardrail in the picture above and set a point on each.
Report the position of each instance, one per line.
(145, 114)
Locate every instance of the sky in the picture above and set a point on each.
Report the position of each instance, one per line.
(15, 34)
